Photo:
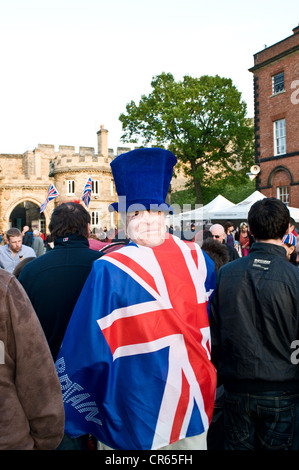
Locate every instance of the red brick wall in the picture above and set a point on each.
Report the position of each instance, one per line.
(270, 108)
(278, 48)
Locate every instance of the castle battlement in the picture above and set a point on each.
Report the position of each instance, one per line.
(25, 179)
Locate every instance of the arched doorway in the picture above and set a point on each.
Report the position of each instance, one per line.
(27, 213)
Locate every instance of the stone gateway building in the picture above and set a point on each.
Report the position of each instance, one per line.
(26, 178)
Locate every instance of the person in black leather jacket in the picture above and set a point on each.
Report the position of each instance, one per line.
(254, 324)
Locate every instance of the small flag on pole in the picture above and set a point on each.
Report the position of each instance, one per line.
(87, 192)
(52, 194)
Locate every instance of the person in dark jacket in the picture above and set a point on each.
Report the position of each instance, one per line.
(54, 282)
(254, 324)
(27, 236)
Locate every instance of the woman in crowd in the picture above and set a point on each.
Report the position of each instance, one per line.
(229, 233)
(244, 238)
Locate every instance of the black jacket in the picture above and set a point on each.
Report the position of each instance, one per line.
(232, 252)
(254, 320)
(54, 281)
(28, 238)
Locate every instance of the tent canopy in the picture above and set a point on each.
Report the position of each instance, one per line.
(294, 212)
(221, 208)
(240, 211)
(202, 213)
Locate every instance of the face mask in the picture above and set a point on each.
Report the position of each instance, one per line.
(146, 228)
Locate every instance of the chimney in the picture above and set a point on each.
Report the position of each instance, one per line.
(296, 30)
(103, 141)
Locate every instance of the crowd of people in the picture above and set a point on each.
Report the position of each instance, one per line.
(143, 339)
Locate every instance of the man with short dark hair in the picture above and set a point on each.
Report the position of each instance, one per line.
(54, 281)
(14, 252)
(254, 322)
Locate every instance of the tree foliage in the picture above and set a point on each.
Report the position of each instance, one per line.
(233, 187)
(201, 120)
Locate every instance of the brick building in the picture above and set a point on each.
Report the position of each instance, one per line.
(25, 180)
(276, 100)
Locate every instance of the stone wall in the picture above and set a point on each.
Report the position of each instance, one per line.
(27, 177)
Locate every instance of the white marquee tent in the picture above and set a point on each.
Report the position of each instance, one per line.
(240, 211)
(223, 209)
(201, 213)
(294, 212)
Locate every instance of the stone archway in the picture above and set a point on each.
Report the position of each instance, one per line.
(27, 213)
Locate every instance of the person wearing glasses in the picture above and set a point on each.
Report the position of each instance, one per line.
(218, 233)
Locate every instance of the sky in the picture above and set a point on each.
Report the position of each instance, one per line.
(69, 66)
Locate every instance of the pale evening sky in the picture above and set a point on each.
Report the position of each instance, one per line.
(69, 66)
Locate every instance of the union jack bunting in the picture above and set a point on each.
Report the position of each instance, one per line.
(134, 365)
(87, 192)
(52, 194)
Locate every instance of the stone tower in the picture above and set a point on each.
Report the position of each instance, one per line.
(25, 180)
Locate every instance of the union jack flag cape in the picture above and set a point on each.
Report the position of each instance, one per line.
(52, 194)
(134, 365)
(87, 192)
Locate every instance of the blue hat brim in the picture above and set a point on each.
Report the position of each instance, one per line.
(140, 206)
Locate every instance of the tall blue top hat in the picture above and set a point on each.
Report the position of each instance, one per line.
(142, 179)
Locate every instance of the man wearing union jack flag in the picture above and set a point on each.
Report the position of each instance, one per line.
(134, 365)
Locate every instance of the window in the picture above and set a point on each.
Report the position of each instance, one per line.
(279, 131)
(95, 185)
(95, 218)
(70, 187)
(42, 225)
(283, 194)
(278, 83)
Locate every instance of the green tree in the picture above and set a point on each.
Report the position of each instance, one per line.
(235, 188)
(201, 120)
